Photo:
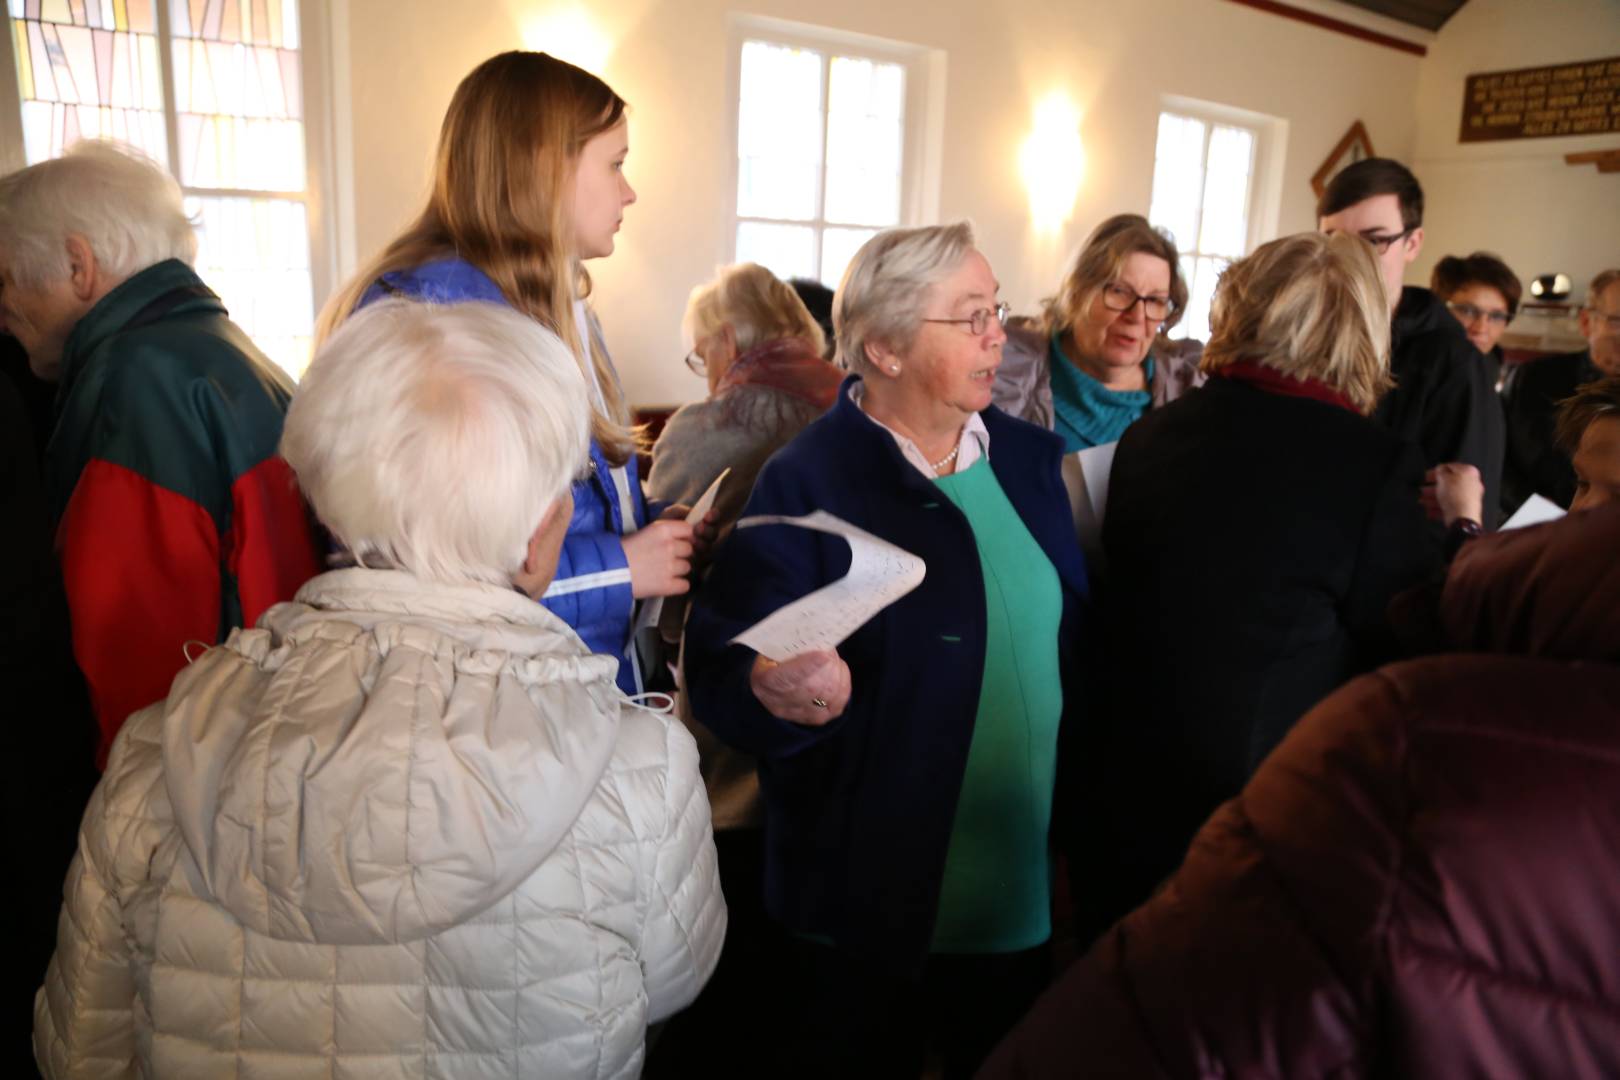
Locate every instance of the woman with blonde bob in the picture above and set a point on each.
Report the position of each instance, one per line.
(1098, 359)
(760, 352)
(408, 825)
(1256, 531)
(528, 183)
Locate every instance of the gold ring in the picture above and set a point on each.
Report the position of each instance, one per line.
(818, 703)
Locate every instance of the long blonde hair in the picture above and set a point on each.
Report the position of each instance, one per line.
(501, 181)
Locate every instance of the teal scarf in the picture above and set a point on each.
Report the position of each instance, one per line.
(1084, 411)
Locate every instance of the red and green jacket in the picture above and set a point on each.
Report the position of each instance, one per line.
(176, 518)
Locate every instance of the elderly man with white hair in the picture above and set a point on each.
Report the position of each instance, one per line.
(175, 518)
(409, 825)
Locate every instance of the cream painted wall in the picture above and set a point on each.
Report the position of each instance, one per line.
(669, 59)
(1515, 197)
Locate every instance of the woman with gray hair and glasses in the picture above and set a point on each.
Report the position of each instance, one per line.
(407, 826)
(908, 775)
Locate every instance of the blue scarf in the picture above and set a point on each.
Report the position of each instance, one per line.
(1084, 411)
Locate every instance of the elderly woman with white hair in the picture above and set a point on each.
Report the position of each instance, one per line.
(909, 775)
(408, 826)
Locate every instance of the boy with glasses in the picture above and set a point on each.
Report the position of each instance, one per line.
(1535, 463)
(1443, 399)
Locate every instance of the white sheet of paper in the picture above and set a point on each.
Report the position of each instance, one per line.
(1534, 511)
(879, 574)
(1085, 475)
(705, 501)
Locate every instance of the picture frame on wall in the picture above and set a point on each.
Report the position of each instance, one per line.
(1354, 147)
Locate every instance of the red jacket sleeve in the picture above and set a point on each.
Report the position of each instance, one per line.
(141, 565)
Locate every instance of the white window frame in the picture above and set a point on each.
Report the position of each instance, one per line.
(923, 127)
(1269, 151)
(328, 157)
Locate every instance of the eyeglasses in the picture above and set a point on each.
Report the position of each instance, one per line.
(1117, 297)
(1610, 322)
(1468, 313)
(1381, 244)
(978, 322)
(696, 364)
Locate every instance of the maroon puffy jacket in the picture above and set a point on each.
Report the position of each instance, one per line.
(1424, 878)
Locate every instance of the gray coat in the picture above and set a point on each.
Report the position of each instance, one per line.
(1023, 385)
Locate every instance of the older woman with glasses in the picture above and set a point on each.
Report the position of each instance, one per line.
(1483, 294)
(1088, 369)
(760, 351)
(908, 775)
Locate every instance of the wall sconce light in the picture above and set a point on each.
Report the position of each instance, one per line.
(1053, 161)
(568, 34)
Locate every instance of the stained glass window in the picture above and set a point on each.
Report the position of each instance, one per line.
(233, 132)
(820, 140)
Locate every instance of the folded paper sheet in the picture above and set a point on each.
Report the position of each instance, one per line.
(1085, 475)
(879, 574)
(1534, 511)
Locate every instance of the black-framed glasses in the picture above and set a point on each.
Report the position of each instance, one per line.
(978, 322)
(1468, 313)
(1382, 243)
(696, 364)
(1118, 297)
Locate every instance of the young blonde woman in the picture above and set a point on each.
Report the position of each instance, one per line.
(528, 183)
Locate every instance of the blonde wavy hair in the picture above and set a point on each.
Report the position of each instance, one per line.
(1101, 260)
(759, 306)
(507, 152)
(1310, 306)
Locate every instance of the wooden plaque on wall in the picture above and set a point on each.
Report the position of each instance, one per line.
(1534, 103)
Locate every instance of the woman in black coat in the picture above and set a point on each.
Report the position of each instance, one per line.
(1256, 531)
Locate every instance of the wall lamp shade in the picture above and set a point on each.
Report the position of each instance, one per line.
(568, 33)
(1053, 162)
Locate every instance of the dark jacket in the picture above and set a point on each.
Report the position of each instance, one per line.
(1421, 881)
(591, 590)
(1254, 541)
(859, 811)
(1444, 399)
(1535, 465)
(52, 747)
(177, 519)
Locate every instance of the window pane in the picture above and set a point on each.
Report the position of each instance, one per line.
(865, 133)
(779, 132)
(1178, 177)
(1226, 192)
(82, 83)
(255, 254)
(788, 251)
(838, 246)
(238, 94)
(1202, 275)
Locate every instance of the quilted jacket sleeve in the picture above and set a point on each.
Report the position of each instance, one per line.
(685, 921)
(84, 1015)
(591, 588)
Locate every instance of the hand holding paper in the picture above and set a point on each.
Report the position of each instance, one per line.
(879, 574)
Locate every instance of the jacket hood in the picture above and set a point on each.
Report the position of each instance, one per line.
(383, 758)
(1551, 590)
(1422, 312)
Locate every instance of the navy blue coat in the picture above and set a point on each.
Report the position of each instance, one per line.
(591, 589)
(859, 811)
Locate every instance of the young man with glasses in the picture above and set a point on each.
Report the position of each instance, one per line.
(1443, 399)
(1535, 463)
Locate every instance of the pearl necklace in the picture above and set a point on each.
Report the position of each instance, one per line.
(947, 459)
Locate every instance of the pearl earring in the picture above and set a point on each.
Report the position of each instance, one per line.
(894, 368)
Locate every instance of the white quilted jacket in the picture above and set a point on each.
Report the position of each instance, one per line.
(399, 830)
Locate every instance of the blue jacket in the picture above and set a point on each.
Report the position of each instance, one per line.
(591, 590)
(859, 811)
